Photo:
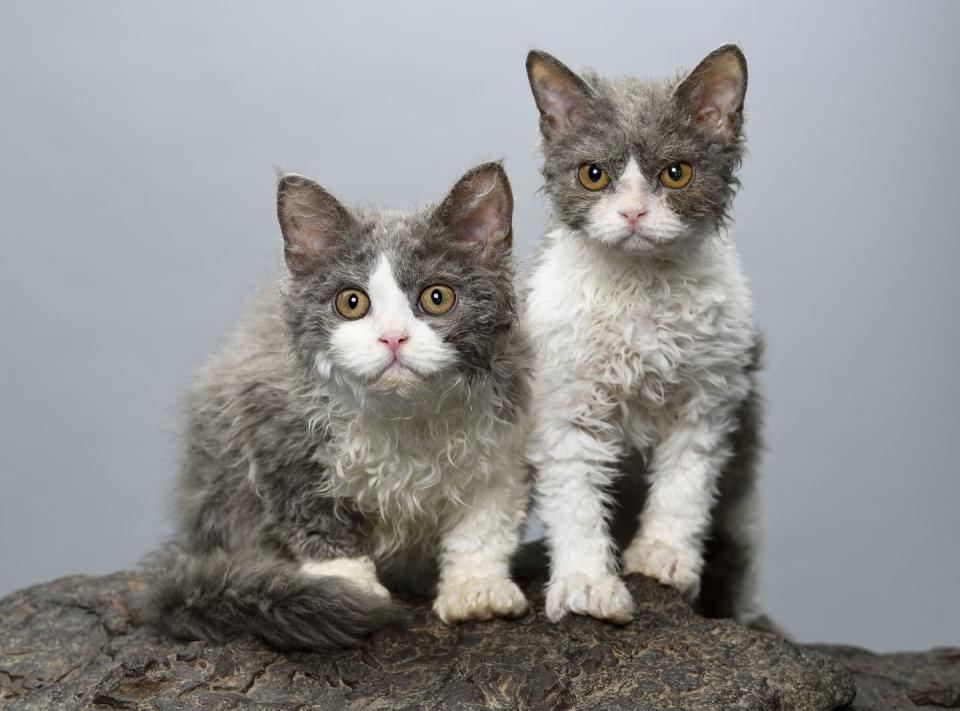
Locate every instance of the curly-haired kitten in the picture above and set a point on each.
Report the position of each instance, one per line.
(371, 403)
(645, 339)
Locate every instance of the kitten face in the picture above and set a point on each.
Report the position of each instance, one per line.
(391, 344)
(641, 165)
(389, 301)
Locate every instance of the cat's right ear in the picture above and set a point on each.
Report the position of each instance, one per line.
(312, 222)
(478, 212)
(713, 92)
(562, 97)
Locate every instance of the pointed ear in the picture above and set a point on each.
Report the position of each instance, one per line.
(311, 219)
(714, 91)
(478, 211)
(562, 97)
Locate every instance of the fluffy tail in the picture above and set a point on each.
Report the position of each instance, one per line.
(219, 596)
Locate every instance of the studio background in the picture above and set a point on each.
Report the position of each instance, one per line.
(137, 153)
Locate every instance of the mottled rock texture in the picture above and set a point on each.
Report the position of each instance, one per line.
(68, 645)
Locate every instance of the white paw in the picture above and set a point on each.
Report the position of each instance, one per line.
(360, 572)
(605, 597)
(677, 567)
(479, 599)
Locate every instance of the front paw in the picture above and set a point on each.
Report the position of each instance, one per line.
(677, 567)
(604, 597)
(479, 599)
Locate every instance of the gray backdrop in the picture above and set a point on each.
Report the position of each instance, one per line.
(137, 145)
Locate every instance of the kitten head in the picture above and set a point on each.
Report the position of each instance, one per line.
(641, 165)
(386, 301)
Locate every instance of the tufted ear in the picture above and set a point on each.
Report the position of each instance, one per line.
(478, 211)
(562, 97)
(714, 91)
(311, 219)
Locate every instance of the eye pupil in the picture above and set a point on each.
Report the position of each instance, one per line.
(436, 297)
(676, 172)
(353, 301)
(594, 173)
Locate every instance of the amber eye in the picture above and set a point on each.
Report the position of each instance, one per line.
(593, 177)
(437, 299)
(676, 175)
(352, 304)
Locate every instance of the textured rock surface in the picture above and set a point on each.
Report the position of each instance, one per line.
(906, 680)
(67, 644)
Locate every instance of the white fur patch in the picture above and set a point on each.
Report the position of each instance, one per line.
(416, 460)
(359, 571)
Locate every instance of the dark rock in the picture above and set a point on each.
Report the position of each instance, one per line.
(905, 680)
(68, 645)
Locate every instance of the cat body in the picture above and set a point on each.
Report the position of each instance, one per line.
(370, 407)
(646, 348)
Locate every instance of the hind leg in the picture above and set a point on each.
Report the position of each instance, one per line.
(729, 579)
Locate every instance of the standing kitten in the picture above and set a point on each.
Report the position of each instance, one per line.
(645, 339)
(372, 403)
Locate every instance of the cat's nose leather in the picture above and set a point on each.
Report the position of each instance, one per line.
(632, 216)
(394, 339)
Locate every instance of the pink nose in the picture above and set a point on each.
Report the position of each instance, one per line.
(632, 216)
(394, 339)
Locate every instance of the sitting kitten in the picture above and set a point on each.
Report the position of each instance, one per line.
(645, 338)
(371, 403)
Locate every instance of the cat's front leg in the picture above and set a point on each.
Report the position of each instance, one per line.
(583, 567)
(575, 457)
(476, 548)
(668, 546)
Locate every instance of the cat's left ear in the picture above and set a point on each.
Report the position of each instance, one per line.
(714, 91)
(478, 211)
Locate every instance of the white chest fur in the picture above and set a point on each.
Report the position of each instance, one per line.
(644, 335)
(417, 466)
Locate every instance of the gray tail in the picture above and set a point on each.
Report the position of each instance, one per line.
(219, 596)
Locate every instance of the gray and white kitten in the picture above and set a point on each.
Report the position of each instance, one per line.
(646, 347)
(371, 404)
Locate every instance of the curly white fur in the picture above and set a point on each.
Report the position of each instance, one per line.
(642, 352)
